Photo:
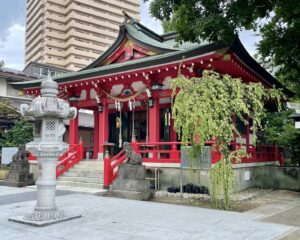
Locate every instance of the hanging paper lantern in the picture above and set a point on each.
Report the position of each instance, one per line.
(130, 105)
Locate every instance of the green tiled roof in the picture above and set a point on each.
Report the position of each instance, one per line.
(113, 68)
(138, 33)
(134, 31)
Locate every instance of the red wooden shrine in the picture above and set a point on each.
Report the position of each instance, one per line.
(128, 90)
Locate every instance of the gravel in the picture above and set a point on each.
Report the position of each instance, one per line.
(240, 196)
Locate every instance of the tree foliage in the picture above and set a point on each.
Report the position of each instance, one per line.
(280, 129)
(203, 109)
(20, 134)
(7, 110)
(217, 20)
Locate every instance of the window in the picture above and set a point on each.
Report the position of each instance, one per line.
(36, 70)
(44, 72)
(240, 126)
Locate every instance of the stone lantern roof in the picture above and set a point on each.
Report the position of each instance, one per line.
(48, 105)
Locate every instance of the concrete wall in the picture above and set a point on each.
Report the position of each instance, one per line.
(274, 177)
(172, 177)
(3, 87)
(277, 177)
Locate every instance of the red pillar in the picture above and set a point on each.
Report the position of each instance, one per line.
(96, 134)
(73, 130)
(154, 122)
(248, 135)
(234, 147)
(107, 172)
(103, 127)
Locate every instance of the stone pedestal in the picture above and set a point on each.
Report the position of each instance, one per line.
(131, 183)
(19, 175)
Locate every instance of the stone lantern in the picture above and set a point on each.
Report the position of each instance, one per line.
(49, 112)
(296, 114)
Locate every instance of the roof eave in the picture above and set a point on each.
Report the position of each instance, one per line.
(240, 51)
(130, 66)
(151, 47)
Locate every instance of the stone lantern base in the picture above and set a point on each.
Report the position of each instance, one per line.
(43, 218)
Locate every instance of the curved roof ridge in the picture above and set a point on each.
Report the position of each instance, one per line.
(136, 31)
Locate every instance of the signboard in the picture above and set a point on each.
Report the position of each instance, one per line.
(7, 153)
(203, 161)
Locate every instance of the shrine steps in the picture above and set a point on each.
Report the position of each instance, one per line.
(85, 174)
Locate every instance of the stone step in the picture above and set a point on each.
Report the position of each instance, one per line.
(81, 179)
(86, 170)
(88, 167)
(89, 162)
(80, 184)
(83, 174)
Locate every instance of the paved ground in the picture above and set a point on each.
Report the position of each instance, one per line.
(110, 218)
(15, 195)
(281, 207)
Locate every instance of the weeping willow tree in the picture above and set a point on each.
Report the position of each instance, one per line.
(203, 110)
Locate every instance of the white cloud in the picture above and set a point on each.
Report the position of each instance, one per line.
(12, 47)
(147, 20)
(249, 39)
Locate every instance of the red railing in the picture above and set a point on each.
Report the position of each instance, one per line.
(160, 152)
(155, 152)
(169, 152)
(262, 153)
(69, 158)
(111, 167)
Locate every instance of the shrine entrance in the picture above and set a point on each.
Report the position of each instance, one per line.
(125, 121)
(138, 120)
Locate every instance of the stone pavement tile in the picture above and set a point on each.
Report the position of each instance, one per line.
(233, 227)
(9, 231)
(270, 209)
(268, 232)
(112, 218)
(292, 235)
(289, 217)
(5, 190)
(16, 208)
(92, 191)
(249, 231)
(124, 229)
(29, 236)
(214, 234)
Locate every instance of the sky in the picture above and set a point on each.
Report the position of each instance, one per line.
(12, 32)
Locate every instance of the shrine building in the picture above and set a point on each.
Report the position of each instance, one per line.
(128, 88)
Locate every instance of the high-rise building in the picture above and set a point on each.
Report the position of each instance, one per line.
(70, 34)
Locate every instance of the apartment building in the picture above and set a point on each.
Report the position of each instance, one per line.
(70, 34)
